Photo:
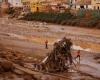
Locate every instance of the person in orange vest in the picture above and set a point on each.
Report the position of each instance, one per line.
(46, 44)
(78, 55)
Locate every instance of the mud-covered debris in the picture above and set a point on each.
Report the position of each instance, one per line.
(97, 56)
(19, 72)
(58, 57)
(29, 77)
(6, 66)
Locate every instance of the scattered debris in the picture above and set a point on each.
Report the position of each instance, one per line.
(58, 57)
(8, 59)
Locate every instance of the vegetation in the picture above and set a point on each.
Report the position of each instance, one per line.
(96, 14)
(81, 13)
(83, 18)
(48, 17)
(10, 10)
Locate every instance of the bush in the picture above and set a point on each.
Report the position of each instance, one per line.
(84, 18)
(81, 13)
(90, 23)
(63, 22)
(96, 14)
(48, 17)
(10, 11)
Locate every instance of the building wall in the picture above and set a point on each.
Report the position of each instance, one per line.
(34, 5)
(39, 7)
(96, 4)
(78, 4)
(15, 3)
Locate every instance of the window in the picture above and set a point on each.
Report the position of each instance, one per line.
(82, 7)
(94, 7)
(75, 6)
(86, 6)
(98, 8)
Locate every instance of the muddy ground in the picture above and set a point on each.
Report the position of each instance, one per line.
(28, 38)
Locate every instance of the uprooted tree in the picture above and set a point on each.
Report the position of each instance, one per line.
(59, 56)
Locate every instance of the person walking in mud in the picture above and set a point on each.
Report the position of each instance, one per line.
(78, 55)
(46, 44)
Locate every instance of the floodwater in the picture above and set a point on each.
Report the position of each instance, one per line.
(29, 37)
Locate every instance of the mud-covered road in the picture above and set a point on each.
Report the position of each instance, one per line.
(29, 38)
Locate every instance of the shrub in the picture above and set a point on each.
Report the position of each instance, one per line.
(10, 11)
(91, 23)
(96, 14)
(63, 22)
(48, 17)
(81, 13)
(84, 18)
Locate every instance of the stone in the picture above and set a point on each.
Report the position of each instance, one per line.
(7, 66)
(19, 72)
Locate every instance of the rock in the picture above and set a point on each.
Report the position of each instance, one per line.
(19, 72)
(97, 56)
(18, 79)
(1, 70)
(19, 61)
(45, 78)
(29, 77)
(7, 66)
(98, 61)
(1, 79)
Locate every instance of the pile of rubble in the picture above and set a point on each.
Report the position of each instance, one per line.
(59, 58)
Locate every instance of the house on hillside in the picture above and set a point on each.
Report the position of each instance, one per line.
(86, 4)
(59, 5)
(95, 4)
(45, 5)
(81, 4)
(36, 5)
(15, 3)
(42, 6)
(26, 6)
